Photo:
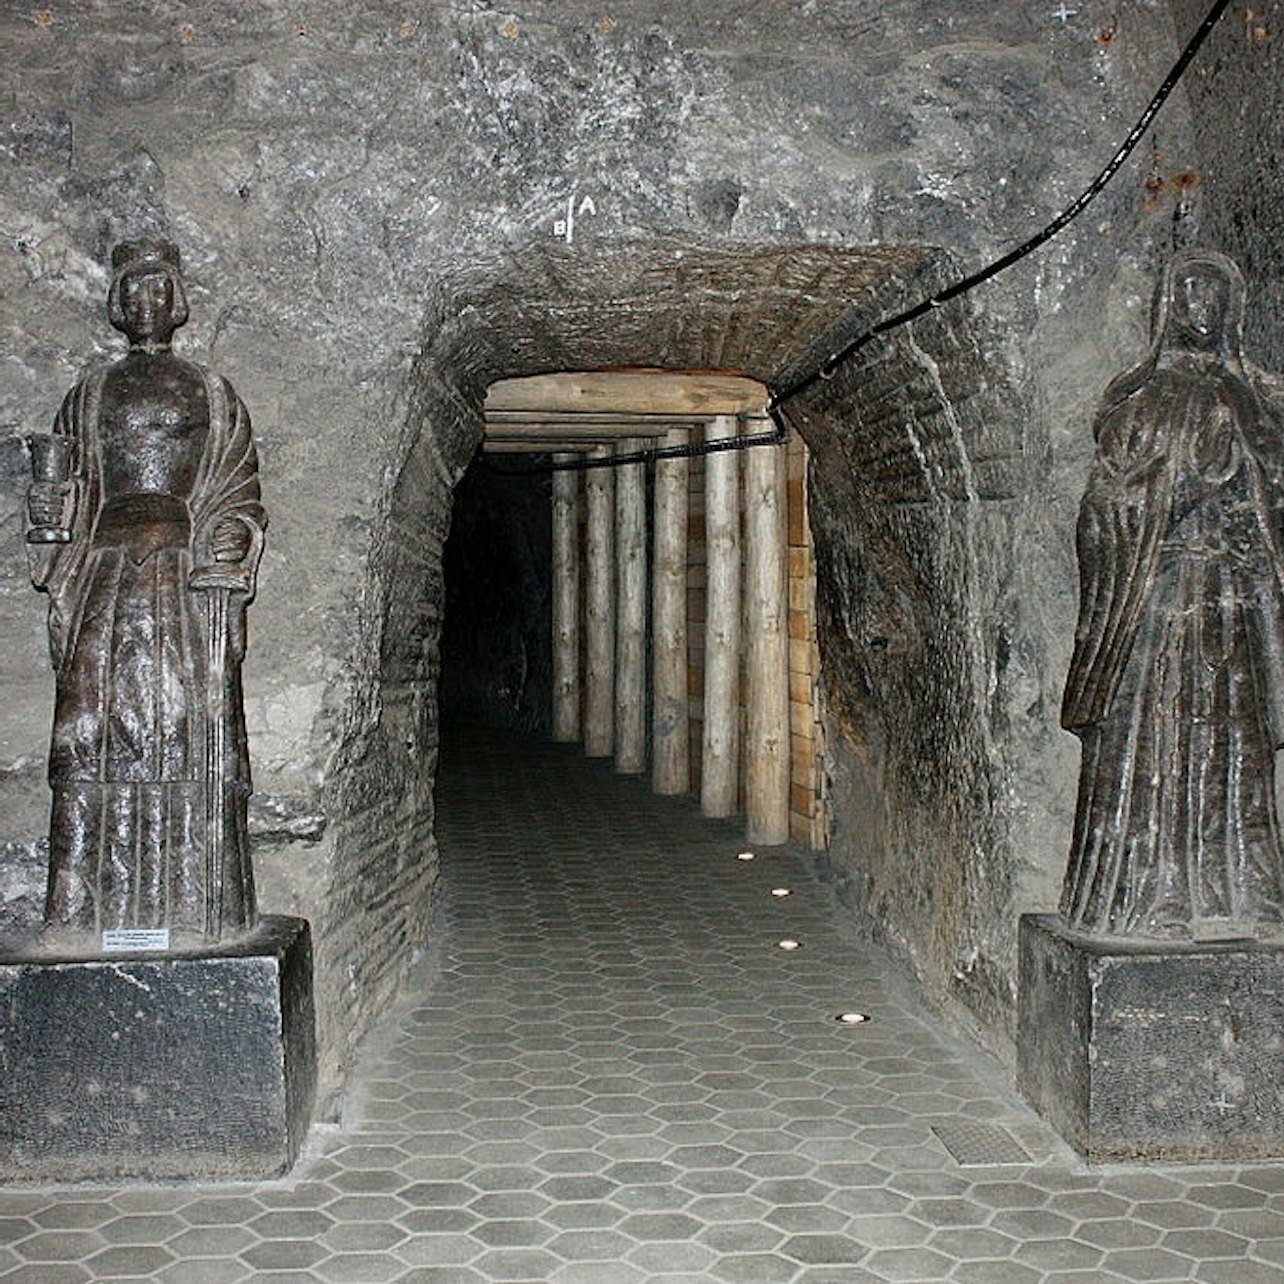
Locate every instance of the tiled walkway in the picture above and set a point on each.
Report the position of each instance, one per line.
(609, 1071)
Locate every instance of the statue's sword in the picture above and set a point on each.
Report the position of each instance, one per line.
(216, 755)
(216, 599)
(218, 582)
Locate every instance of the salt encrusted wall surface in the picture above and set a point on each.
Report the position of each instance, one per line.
(373, 203)
(1236, 94)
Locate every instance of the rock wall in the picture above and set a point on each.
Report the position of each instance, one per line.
(385, 208)
(1236, 93)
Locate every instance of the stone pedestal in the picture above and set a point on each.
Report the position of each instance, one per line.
(158, 1066)
(1155, 1052)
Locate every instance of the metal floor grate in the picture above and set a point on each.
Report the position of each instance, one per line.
(974, 1144)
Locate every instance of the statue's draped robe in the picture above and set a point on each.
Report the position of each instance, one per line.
(129, 758)
(1177, 678)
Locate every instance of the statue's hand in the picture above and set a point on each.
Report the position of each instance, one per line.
(46, 502)
(231, 541)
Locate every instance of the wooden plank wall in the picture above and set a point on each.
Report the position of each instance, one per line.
(808, 822)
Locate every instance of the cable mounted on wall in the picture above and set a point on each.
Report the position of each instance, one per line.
(829, 367)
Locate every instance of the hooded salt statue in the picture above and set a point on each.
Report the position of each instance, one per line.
(147, 534)
(1177, 679)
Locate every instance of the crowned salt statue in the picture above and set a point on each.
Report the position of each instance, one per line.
(1176, 687)
(147, 531)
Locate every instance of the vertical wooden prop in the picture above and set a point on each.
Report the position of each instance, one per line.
(566, 604)
(630, 635)
(670, 735)
(599, 673)
(719, 778)
(766, 647)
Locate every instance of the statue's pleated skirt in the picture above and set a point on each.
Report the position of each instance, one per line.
(127, 758)
(1177, 825)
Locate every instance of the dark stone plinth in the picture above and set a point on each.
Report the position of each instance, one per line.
(159, 1066)
(1155, 1052)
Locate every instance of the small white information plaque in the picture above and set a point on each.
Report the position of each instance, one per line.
(135, 938)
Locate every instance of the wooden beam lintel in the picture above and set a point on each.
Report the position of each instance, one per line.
(641, 392)
(554, 447)
(545, 428)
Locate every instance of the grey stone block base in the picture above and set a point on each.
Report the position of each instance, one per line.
(158, 1066)
(1157, 1052)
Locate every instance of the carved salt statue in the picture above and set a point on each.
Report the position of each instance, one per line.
(147, 531)
(1176, 688)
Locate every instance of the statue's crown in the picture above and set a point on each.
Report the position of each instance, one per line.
(131, 253)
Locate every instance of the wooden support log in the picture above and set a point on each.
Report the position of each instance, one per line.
(642, 392)
(720, 757)
(766, 647)
(599, 616)
(541, 446)
(630, 627)
(670, 734)
(537, 425)
(566, 604)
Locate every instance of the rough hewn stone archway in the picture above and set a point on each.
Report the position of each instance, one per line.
(916, 449)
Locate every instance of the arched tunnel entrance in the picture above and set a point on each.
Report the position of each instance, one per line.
(918, 462)
(620, 1013)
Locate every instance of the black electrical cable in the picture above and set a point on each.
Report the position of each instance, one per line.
(829, 367)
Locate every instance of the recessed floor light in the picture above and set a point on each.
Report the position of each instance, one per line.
(781, 892)
(745, 856)
(852, 1018)
(789, 945)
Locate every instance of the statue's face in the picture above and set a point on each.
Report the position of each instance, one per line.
(147, 304)
(1201, 301)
